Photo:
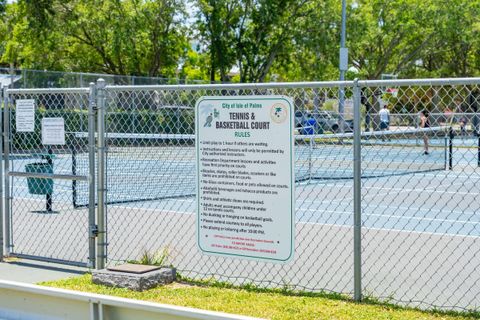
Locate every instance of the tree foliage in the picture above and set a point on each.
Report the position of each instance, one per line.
(131, 37)
(243, 40)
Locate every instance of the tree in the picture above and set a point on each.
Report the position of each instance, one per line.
(291, 39)
(388, 36)
(315, 45)
(249, 34)
(218, 22)
(134, 37)
(268, 36)
(455, 48)
(19, 42)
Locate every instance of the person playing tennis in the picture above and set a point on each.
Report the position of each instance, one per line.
(425, 123)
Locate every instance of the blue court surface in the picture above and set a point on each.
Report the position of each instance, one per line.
(402, 188)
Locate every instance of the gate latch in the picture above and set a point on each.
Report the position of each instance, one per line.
(93, 231)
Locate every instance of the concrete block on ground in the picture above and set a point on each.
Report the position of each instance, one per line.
(134, 281)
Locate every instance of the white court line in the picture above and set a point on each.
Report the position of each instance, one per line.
(123, 207)
(364, 228)
(160, 210)
(306, 201)
(329, 211)
(447, 175)
(411, 209)
(69, 202)
(349, 182)
(334, 212)
(396, 216)
(423, 209)
(424, 190)
(324, 224)
(336, 201)
(192, 200)
(451, 174)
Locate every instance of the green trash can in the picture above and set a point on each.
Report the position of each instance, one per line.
(39, 185)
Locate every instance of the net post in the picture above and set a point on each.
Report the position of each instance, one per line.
(310, 156)
(101, 241)
(451, 135)
(357, 185)
(74, 172)
(48, 196)
(478, 149)
(445, 151)
(92, 235)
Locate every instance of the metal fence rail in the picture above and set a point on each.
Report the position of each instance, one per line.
(28, 78)
(386, 201)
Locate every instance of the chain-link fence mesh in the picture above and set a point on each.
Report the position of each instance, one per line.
(42, 173)
(420, 169)
(151, 191)
(420, 235)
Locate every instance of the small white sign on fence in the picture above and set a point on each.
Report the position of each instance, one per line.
(25, 115)
(245, 177)
(53, 131)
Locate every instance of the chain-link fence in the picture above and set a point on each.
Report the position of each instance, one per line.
(27, 78)
(420, 232)
(162, 149)
(385, 195)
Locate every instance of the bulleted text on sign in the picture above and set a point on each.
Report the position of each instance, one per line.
(245, 177)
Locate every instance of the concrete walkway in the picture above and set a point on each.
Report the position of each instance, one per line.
(29, 271)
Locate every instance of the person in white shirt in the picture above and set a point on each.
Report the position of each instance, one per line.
(384, 118)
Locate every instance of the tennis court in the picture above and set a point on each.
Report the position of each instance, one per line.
(406, 218)
(443, 204)
(402, 188)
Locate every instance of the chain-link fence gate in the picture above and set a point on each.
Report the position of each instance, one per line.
(49, 158)
(389, 209)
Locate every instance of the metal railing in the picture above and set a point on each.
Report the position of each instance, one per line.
(28, 78)
(20, 301)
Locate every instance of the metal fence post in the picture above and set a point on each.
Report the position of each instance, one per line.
(133, 109)
(6, 152)
(1, 183)
(478, 150)
(101, 240)
(357, 194)
(92, 226)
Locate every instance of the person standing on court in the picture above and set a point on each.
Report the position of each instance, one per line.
(424, 123)
(384, 118)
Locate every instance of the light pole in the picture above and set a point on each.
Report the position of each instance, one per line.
(343, 66)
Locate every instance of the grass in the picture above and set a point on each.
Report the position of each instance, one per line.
(158, 258)
(262, 303)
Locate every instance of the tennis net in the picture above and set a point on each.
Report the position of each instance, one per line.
(148, 167)
(384, 153)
